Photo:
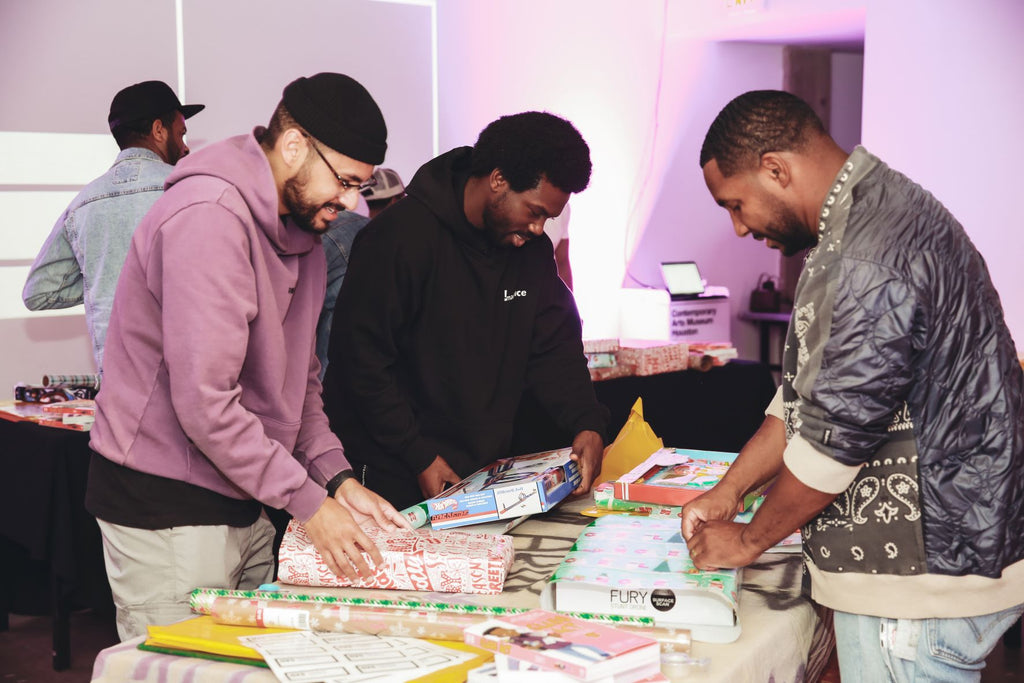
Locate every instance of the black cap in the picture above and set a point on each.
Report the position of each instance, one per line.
(145, 101)
(339, 112)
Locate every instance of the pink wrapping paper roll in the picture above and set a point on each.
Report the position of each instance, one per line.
(385, 621)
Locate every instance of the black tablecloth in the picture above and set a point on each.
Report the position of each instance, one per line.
(715, 410)
(46, 535)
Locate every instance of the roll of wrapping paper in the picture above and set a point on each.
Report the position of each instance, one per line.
(91, 381)
(418, 514)
(380, 621)
(701, 361)
(201, 601)
(385, 614)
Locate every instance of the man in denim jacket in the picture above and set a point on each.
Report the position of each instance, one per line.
(82, 258)
(337, 243)
(386, 189)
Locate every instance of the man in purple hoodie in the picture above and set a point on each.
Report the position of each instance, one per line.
(211, 404)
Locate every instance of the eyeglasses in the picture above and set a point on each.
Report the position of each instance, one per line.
(345, 185)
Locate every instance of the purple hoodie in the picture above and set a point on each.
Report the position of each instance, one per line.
(210, 376)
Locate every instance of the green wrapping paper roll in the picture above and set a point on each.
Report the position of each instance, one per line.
(324, 613)
(201, 601)
(91, 381)
(418, 514)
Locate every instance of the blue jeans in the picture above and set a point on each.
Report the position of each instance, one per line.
(876, 649)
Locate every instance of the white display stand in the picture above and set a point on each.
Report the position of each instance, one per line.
(651, 314)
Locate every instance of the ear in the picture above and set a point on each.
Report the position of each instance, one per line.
(292, 148)
(776, 169)
(497, 180)
(159, 132)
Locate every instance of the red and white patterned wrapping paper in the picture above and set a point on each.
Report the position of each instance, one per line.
(420, 560)
(600, 345)
(652, 358)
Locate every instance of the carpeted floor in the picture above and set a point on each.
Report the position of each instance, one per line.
(25, 652)
(26, 648)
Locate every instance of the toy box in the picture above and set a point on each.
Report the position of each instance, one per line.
(509, 487)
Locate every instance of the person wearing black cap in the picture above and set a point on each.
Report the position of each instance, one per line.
(82, 258)
(210, 405)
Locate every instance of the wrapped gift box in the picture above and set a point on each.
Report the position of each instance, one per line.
(719, 353)
(600, 346)
(654, 357)
(421, 560)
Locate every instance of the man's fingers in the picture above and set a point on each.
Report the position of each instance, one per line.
(692, 521)
(687, 527)
(363, 541)
(697, 556)
(339, 564)
(389, 518)
(351, 563)
(398, 519)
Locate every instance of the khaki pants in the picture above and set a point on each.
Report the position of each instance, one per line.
(152, 572)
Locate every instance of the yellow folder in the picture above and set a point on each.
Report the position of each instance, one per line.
(202, 635)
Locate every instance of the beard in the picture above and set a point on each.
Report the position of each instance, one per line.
(175, 152)
(788, 230)
(302, 211)
(497, 225)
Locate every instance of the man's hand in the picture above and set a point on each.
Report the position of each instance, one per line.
(437, 477)
(365, 506)
(587, 449)
(340, 541)
(718, 545)
(720, 504)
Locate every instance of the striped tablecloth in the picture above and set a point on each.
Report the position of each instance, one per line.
(781, 629)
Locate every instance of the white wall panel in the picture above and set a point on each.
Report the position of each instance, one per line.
(28, 218)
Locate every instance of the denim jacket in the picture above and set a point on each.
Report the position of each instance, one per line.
(82, 258)
(337, 249)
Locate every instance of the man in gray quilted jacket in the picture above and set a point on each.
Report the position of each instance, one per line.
(897, 437)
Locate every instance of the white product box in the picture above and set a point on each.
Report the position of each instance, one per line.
(704, 319)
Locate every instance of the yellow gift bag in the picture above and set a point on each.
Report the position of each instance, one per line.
(634, 443)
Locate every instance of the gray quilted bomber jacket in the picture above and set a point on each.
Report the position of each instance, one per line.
(898, 360)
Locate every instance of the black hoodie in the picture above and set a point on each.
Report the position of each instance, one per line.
(437, 333)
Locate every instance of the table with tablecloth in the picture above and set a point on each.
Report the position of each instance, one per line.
(52, 557)
(779, 625)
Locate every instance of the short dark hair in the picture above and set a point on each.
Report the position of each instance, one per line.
(131, 133)
(280, 121)
(532, 144)
(755, 123)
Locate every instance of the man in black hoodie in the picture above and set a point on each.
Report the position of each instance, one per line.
(452, 308)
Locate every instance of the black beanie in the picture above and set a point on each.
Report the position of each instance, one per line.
(339, 112)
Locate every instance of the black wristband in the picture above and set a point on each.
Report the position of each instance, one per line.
(340, 478)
